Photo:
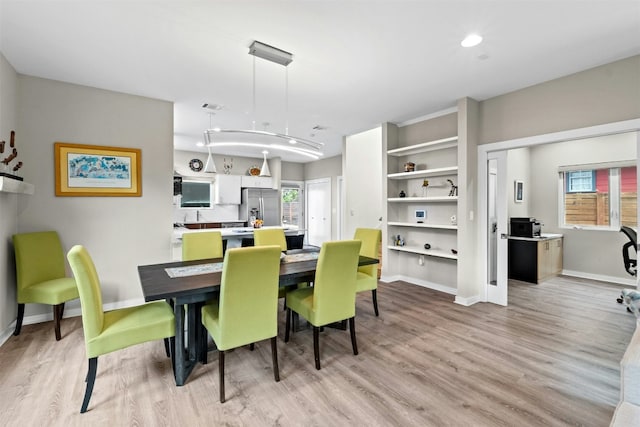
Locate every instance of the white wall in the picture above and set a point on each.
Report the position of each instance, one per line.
(119, 232)
(363, 180)
(586, 252)
(9, 202)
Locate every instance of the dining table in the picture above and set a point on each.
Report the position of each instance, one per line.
(187, 285)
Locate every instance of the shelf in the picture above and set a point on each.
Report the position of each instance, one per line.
(8, 185)
(452, 170)
(417, 225)
(439, 144)
(443, 199)
(420, 251)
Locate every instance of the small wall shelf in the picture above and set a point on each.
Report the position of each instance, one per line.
(417, 225)
(439, 144)
(452, 170)
(420, 251)
(8, 185)
(443, 199)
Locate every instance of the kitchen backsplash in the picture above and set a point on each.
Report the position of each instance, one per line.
(214, 214)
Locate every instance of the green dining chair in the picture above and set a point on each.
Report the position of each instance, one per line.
(201, 245)
(273, 236)
(270, 236)
(247, 311)
(41, 275)
(109, 331)
(333, 295)
(368, 274)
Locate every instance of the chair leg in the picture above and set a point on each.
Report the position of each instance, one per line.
(19, 319)
(287, 325)
(91, 379)
(57, 309)
(62, 310)
(252, 346)
(172, 345)
(374, 297)
(274, 357)
(352, 330)
(167, 347)
(221, 370)
(316, 346)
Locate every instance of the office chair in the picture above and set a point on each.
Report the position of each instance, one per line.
(630, 297)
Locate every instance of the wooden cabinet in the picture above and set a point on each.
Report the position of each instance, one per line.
(227, 190)
(535, 260)
(248, 181)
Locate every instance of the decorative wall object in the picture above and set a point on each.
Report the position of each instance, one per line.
(518, 191)
(7, 169)
(94, 170)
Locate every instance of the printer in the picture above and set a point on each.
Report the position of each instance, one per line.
(525, 227)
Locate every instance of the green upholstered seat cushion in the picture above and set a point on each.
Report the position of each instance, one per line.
(370, 238)
(366, 282)
(201, 245)
(125, 327)
(247, 309)
(53, 292)
(332, 297)
(40, 263)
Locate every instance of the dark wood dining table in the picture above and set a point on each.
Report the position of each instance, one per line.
(193, 290)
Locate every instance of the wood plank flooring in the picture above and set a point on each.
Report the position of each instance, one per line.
(549, 359)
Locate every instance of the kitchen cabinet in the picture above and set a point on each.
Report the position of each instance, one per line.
(227, 189)
(535, 260)
(250, 181)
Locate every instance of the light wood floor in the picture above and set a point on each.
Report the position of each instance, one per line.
(551, 358)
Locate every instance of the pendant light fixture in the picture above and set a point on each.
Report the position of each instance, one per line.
(264, 171)
(210, 166)
(263, 139)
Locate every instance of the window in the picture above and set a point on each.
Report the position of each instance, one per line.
(195, 194)
(603, 197)
(291, 205)
(581, 181)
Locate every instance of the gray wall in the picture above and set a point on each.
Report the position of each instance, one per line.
(518, 168)
(119, 232)
(605, 94)
(9, 202)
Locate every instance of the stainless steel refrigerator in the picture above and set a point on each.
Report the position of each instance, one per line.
(263, 203)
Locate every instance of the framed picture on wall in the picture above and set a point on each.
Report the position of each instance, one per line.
(95, 170)
(518, 191)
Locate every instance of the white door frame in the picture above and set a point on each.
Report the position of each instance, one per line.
(530, 141)
(340, 203)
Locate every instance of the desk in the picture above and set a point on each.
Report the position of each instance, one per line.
(193, 291)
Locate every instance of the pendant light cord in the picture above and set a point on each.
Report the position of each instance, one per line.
(286, 101)
(253, 121)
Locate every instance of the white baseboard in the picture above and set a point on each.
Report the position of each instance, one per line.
(601, 277)
(468, 301)
(73, 312)
(423, 283)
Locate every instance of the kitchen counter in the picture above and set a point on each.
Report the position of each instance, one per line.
(232, 233)
(543, 236)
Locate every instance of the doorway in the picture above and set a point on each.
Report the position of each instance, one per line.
(318, 202)
(495, 293)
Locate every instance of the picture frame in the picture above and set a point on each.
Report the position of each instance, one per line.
(97, 170)
(518, 191)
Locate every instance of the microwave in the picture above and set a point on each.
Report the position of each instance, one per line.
(525, 227)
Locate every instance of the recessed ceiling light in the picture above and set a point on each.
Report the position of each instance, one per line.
(471, 40)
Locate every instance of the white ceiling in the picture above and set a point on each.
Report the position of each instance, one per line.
(356, 63)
